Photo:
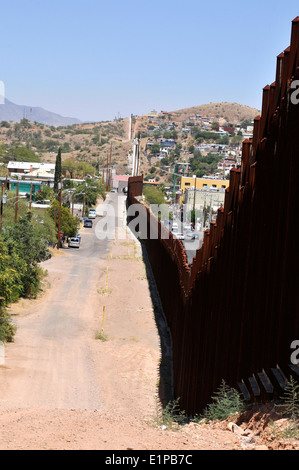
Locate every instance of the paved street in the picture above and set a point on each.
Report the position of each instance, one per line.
(51, 362)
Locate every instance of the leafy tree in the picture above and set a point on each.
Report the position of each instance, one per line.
(200, 165)
(10, 277)
(23, 241)
(45, 227)
(25, 238)
(24, 154)
(155, 148)
(5, 124)
(92, 190)
(22, 247)
(66, 147)
(170, 135)
(77, 169)
(68, 223)
(215, 126)
(9, 209)
(25, 123)
(153, 195)
(69, 165)
(46, 193)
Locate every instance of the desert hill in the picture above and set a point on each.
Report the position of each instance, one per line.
(97, 142)
(230, 112)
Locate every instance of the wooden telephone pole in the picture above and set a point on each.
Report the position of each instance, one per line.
(30, 201)
(17, 204)
(108, 169)
(59, 219)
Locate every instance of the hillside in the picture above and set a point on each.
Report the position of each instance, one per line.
(230, 112)
(92, 143)
(13, 112)
(97, 142)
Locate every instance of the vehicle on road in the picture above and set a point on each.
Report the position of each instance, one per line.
(74, 243)
(92, 214)
(180, 236)
(88, 223)
(192, 236)
(177, 234)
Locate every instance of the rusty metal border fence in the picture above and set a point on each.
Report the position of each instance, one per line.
(234, 311)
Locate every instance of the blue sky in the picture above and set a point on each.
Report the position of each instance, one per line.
(97, 59)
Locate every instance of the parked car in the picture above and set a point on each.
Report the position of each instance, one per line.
(88, 223)
(74, 243)
(92, 214)
(192, 236)
(180, 236)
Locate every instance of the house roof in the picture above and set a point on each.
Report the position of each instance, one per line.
(27, 165)
(121, 177)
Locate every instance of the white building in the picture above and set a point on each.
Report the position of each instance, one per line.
(28, 168)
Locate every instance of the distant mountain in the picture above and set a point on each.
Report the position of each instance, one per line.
(15, 113)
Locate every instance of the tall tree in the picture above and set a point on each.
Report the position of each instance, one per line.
(58, 170)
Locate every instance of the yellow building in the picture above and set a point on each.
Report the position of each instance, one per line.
(202, 183)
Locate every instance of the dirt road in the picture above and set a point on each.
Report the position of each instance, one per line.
(61, 388)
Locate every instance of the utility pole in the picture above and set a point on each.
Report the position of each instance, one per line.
(59, 220)
(107, 162)
(83, 208)
(174, 181)
(30, 201)
(110, 167)
(1, 211)
(108, 170)
(17, 204)
(73, 195)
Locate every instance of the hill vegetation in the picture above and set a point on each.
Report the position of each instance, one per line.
(93, 144)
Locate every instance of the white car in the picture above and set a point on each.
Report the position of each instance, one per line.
(92, 214)
(177, 234)
(74, 243)
(180, 236)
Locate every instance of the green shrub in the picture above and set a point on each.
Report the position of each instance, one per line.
(7, 328)
(226, 402)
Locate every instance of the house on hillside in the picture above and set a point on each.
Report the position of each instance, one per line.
(120, 182)
(26, 168)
